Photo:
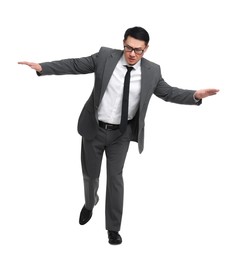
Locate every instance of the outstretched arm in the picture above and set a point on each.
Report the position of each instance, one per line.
(82, 65)
(32, 65)
(203, 93)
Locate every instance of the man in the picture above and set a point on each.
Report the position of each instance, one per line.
(114, 115)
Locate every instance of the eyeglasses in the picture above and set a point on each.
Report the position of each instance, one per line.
(130, 49)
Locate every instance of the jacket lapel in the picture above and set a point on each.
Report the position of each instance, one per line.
(145, 81)
(110, 65)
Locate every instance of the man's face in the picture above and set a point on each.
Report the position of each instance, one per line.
(134, 50)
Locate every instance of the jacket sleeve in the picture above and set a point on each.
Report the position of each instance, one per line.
(82, 65)
(174, 94)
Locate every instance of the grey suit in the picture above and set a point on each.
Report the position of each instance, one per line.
(103, 64)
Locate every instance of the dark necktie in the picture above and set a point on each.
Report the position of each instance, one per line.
(125, 103)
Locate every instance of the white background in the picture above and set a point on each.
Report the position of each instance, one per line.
(183, 194)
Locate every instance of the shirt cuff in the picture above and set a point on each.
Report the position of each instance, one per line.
(39, 73)
(196, 100)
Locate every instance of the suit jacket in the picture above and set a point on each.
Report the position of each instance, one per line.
(102, 64)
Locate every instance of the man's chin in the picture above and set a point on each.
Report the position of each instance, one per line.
(132, 62)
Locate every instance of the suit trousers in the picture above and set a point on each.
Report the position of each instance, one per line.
(115, 146)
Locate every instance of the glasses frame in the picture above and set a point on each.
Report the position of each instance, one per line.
(137, 51)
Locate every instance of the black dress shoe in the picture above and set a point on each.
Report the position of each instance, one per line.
(114, 238)
(85, 215)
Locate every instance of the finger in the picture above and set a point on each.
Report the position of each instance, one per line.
(25, 63)
(213, 91)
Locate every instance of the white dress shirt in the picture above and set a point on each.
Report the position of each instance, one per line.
(110, 107)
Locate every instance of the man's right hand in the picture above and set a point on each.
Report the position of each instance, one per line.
(32, 65)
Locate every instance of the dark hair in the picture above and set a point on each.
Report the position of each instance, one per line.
(138, 33)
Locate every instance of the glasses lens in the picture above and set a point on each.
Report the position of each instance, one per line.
(137, 51)
(130, 49)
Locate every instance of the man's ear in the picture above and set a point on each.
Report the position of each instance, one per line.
(146, 48)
